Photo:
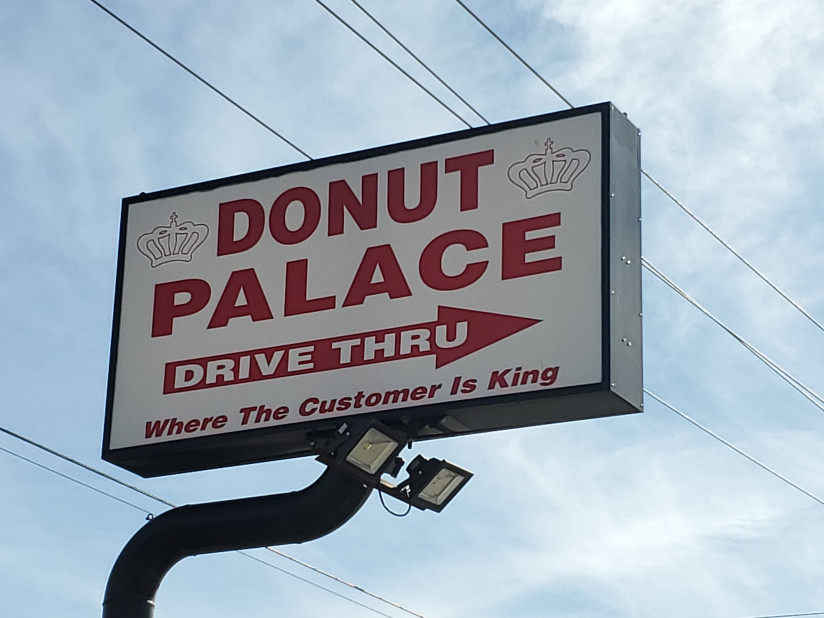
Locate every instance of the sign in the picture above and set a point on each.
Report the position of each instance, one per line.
(469, 282)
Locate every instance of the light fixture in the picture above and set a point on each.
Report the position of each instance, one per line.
(373, 450)
(434, 482)
(431, 485)
(367, 450)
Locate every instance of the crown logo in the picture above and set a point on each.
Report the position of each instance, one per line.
(551, 170)
(175, 242)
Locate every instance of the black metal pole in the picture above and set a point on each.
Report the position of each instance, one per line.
(279, 519)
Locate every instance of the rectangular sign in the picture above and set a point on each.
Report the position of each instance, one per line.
(474, 281)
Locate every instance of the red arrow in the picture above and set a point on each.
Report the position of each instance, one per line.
(454, 334)
(483, 329)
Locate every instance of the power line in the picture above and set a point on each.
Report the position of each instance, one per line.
(418, 60)
(87, 467)
(198, 77)
(729, 248)
(752, 459)
(806, 391)
(147, 494)
(730, 445)
(324, 588)
(394, 64)
(74, 480)
(342, 581)
(516, 55)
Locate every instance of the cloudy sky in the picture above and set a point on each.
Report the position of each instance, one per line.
(641, 516)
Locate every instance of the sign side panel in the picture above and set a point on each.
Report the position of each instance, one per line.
(625, 261)
(113, 350)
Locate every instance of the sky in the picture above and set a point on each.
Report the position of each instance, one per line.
(635, 516)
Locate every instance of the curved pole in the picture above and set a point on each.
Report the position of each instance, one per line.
(279, 519)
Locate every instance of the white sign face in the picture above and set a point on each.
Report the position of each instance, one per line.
(449, 272)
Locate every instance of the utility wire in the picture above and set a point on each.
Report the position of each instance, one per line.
(198, 77)
(515, 54)
(74, 480)
(147, 494)
(342, 581)
(394, 64)
(729, 248)
(419, 61)
(324, 588)
(730, 445)
(752, 459)
(86, 467)
(806, 391)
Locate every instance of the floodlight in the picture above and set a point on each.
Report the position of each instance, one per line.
(373, 450)
(367, 450)
(434, 482)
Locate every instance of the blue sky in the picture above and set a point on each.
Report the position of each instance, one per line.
(641, 516)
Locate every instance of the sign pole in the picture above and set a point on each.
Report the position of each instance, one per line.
(247, 523)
